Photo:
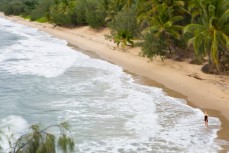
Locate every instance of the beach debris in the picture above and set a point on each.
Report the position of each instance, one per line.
(196, 76)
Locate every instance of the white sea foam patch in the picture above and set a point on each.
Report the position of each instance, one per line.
(41, 54)
(16, 28)
(113, 114)
(182, 127)
(126, 124)
(36, 54)
(99, 64)
(110, 118)
(2, 58)
(12, 127)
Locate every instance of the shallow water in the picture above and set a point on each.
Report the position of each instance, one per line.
(42, 80)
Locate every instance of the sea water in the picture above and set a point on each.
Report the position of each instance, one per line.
(42, 80)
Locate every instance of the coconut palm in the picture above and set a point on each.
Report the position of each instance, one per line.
(152, 8)
(163, 26)
(114, 7)
(176, 5)
(209, 35)
(129, 3)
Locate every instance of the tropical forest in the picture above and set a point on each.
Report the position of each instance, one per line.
(175, 29)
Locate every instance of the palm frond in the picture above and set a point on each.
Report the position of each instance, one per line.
(177, 28)
(195, 13)
(173, 33)
(225, 29)
(214, 49)
(192, 5)
(168, 24)
(153, 28)
(224, 18)
(176, 18)
(195, 29)
(198, 44)
(224, 38)
(207, 45)
(180, 3)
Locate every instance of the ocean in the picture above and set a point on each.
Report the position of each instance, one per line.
(43, 80)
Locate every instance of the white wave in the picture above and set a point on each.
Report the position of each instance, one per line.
(40, 54)
(147, 119)
(36, 54)
(16, 28)
(12, 127)
(99, 64)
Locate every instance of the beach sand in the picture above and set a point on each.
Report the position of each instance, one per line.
(178, 79)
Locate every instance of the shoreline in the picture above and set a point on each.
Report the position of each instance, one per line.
(139, 79)
(177, 79)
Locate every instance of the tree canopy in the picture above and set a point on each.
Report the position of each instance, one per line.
(37, 140)
(169, 28)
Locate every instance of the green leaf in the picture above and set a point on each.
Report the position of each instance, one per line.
(195, 29)
(223, 20)
(224, 39)
(65, 125)
(199, 44)
(50, 143)
(214, 49)
(35, 127)
(195, 13)
(153, 28)
(168, 24)
(180, 3)
(176, 18)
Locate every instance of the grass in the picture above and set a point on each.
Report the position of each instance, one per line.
(42, 20)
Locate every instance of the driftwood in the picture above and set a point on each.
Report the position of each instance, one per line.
(195, 75)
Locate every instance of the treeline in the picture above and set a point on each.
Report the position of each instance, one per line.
(167, 28)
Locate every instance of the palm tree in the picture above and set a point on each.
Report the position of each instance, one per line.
(163, 26)
(162, 11)
(177, 5)
(143, 10)
(209, 35)
(114, 7)
(123, 38)
(129, 3)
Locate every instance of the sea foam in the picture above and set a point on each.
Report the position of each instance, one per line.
(12, 128)
(35, 53)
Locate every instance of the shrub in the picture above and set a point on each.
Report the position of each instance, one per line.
(37, 13)
(42, 10)
(61, 15)
(14, 8)
(153, 46)
(124, 27)
(80, 12)
(125, 21)
(94, 16)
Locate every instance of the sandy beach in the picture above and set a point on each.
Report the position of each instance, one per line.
(178, 79)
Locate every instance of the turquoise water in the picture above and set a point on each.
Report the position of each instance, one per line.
(42, 80)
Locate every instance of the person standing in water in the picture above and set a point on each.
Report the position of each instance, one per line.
(206, 118)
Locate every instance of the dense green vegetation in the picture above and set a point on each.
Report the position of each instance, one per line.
(197, 29)
(38, 140)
